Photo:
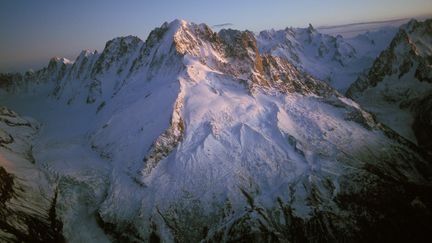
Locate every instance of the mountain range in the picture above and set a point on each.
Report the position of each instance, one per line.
(232, 136)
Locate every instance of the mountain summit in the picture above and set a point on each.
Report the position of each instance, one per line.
(195, 136)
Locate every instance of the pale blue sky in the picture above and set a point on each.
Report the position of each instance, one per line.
(33, 31)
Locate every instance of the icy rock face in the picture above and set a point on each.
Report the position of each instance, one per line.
(241, 46)
(400, 80)
(335, 60)
(117, 51)
(74, 82)
(115, 61)
(102, 74)
(168, 140)
(286, 78)
(207, 138)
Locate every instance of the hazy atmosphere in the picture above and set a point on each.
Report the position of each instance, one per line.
(33, 31)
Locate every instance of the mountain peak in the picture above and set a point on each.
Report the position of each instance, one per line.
(413, 23)
(60, 60)
(122, 41)
(174, 25)
(189, 36)
(178, 23)
(87, 52)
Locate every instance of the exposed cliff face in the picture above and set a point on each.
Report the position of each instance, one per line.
(203, 137)
(168, 140)
(286, 78)
(399, 80)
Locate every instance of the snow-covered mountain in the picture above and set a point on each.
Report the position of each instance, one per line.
(398, 87)
(336, 60)
(196, 136)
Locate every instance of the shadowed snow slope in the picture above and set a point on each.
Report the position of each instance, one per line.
(196, 136)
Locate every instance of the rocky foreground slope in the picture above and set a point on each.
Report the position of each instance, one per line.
(197, 136)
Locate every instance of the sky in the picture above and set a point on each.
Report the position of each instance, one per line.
(31, 32)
